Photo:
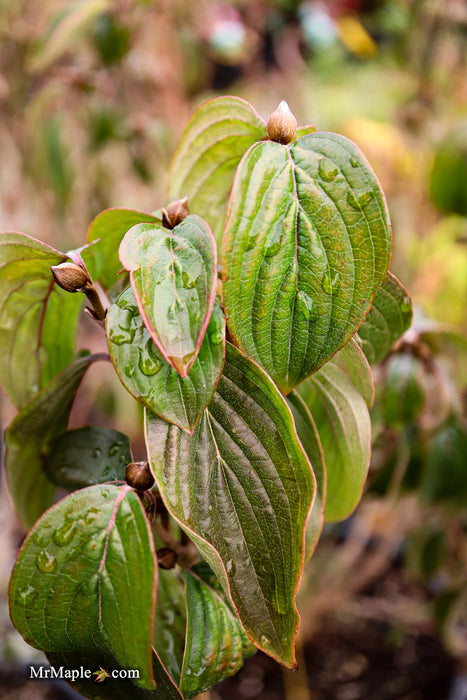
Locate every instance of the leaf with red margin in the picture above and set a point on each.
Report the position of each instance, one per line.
(309, 437)
(343, 422)
(352, 360)
(105, 232)
(85, 579)
(30, 436)
(173, 274)
(35, 342)
(242, 487)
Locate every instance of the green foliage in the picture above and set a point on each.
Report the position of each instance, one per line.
(244, 476)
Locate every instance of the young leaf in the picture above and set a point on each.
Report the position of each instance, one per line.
(344, 428)
(85, 579)
(307, 243)
(174, 279)
(352, 360)
(208, 152)
(30, 436)
(145, 373)
(242, 487)
(216, 644)
(88, 456)
(105, 233)
(37, 319)
(309, 437)
(389, 317)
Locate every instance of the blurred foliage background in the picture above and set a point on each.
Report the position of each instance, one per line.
(93, 96)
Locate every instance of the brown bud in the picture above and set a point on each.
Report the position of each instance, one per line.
(282, 125)
(71, 277)
(166, 558)
(175, 212)
(139, 476)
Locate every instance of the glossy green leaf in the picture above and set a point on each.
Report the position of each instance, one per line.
(85, 579)
(352, 360)
(30, 436)
(389, 317)
(309, 437)
(174, 278)
(208, 152)
(88, 456)
(307, 243)
(341, 416)
(105, 233)
(216, 644)
(404, 390)
(37, 319)
(445, 476)
(145, 373)
(242, 488)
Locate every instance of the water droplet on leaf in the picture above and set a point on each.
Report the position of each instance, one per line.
(327, 170)
(27, 594)
(326, 282)
(46, 562)
(354, 162)
(150, 361)
(96, 453)
(352, 201)
(64, 534)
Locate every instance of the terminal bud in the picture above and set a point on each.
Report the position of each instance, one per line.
(281, 126)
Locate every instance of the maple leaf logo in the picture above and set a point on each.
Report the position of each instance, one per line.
(101, 675)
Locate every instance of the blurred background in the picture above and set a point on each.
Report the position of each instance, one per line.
(93, 97)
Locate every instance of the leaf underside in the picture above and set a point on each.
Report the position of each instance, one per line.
(344, 428)
(30, 436)
(242, 487)
(145, 373)
(210, 148)
(174, 279)
(307, 243)
(35, 344)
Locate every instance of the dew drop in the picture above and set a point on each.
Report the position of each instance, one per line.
(105, 493)
(306, 306)
(174, 309)
(96, 453)
(326, 283)
(335, 282)
(45, 562)
(354, 162)
(124, 331)
(217, 337)
(406, 305)
(365, 198)
(27, 594)
(264, 641)
(188, 281)
(65, 534)
(327, 170)
(115, 449)
(352, 201)
(149, 359)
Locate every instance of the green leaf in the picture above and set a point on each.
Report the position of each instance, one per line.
(174, 278)
(307, 243)
(352, 360)
(85, 579)
(88, 456)
(35, 342)
(170, 625)
(241, 486)
(105, 233)
(208, 152)
(344, 428)
(389, 317)
(30, 436)
(145, 373)
(216, 644)
(445, 476)
(309, 437)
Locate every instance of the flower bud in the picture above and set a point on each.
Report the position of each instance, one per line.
(71, 277)
(166, 558)
(139, 476)
(175, 212)
(282, 125)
